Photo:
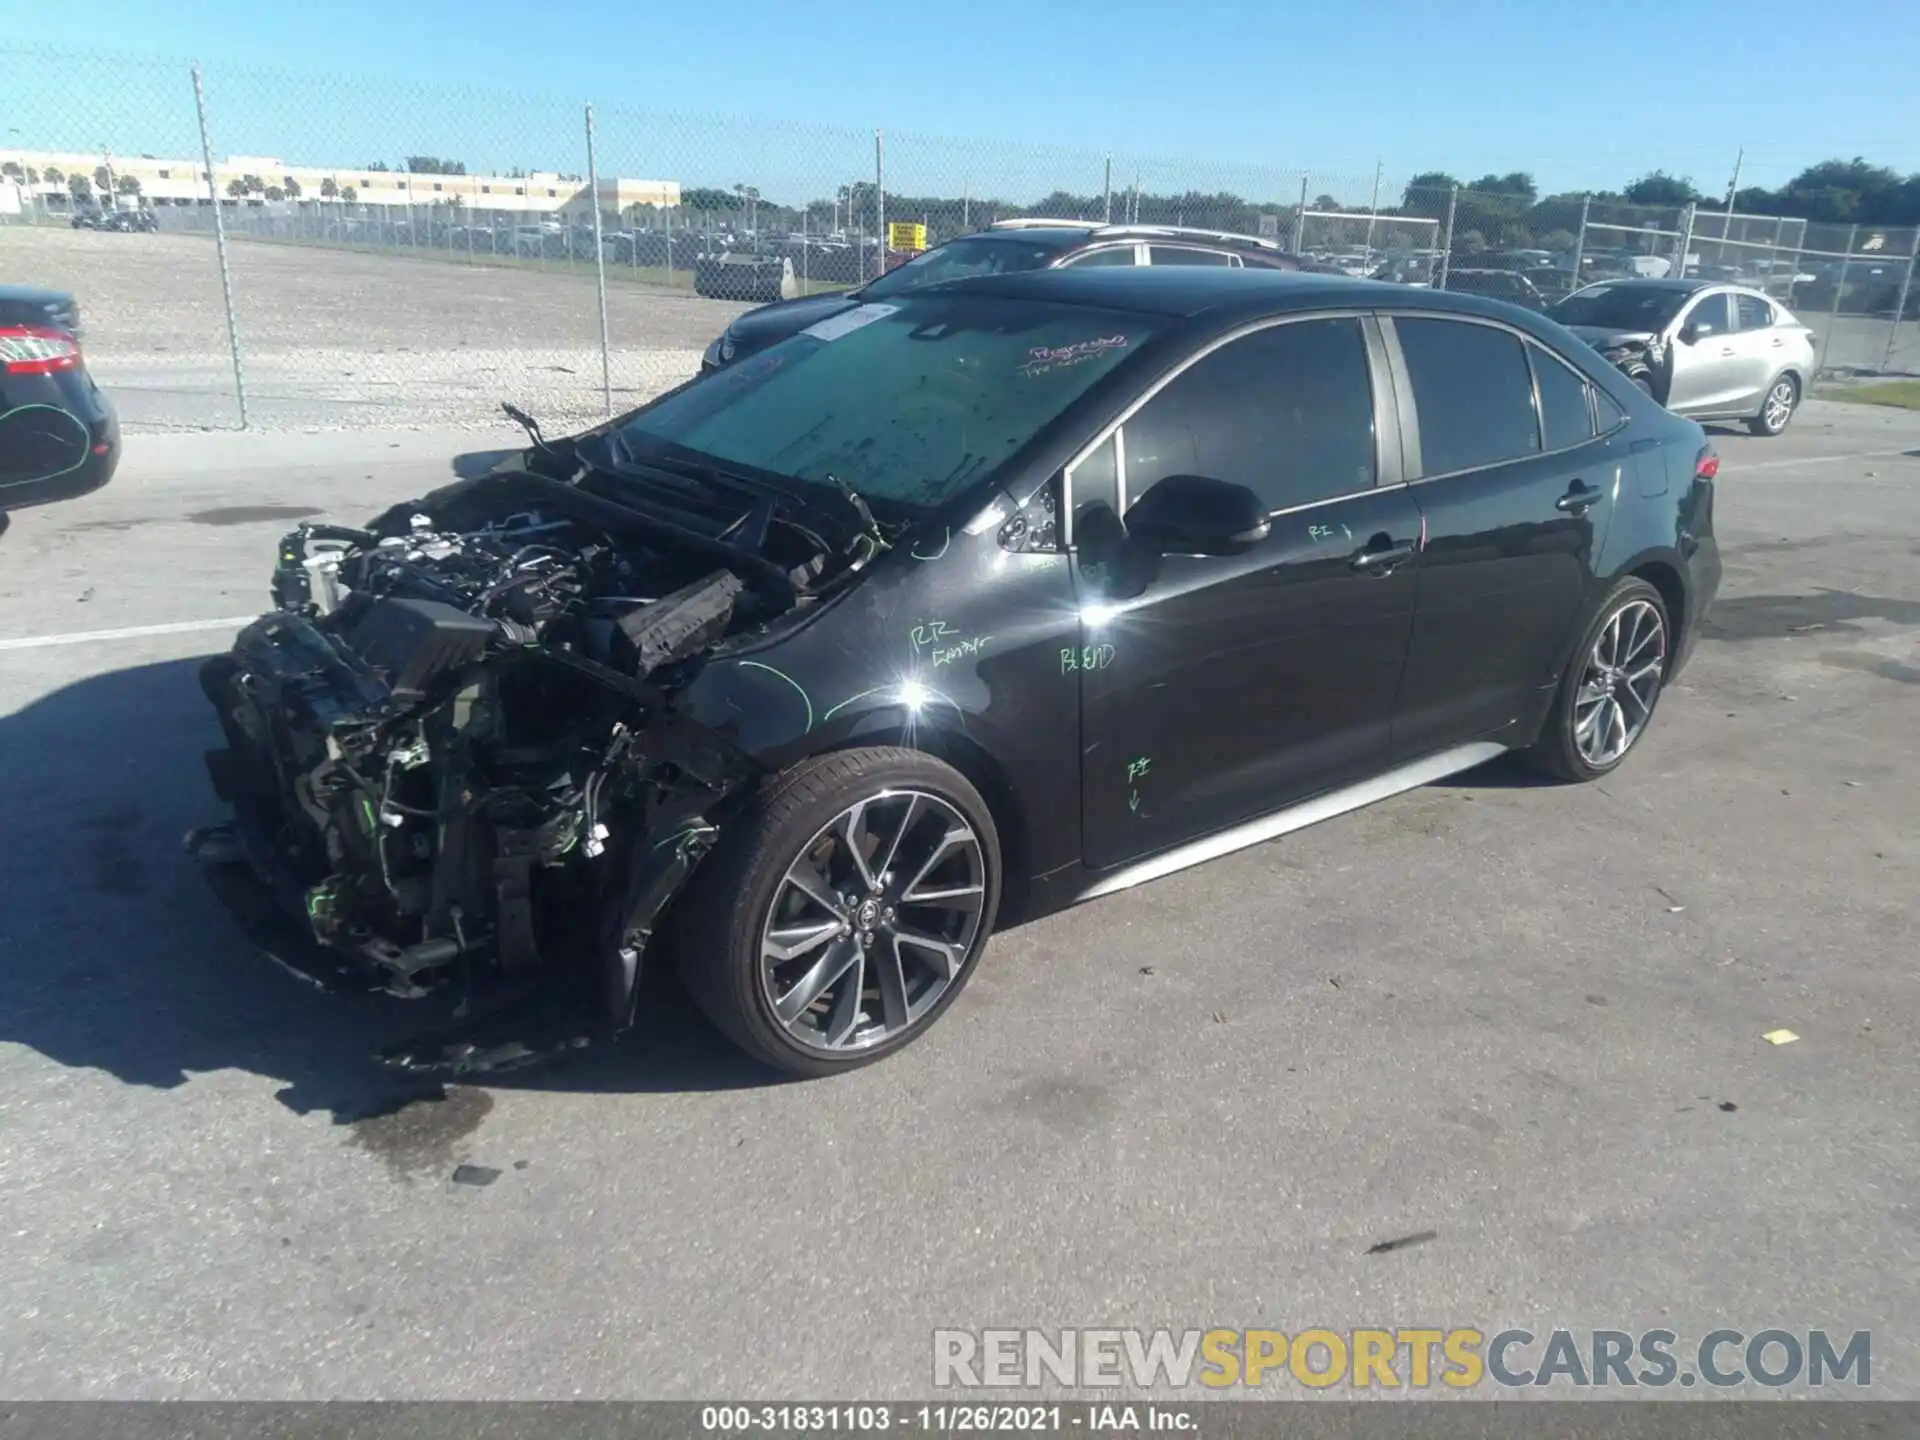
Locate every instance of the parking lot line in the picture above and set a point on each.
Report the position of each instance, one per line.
(131, 632)
(1800, 460)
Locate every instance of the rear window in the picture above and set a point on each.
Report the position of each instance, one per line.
(1473, 393)
(1619, 307)
(959, 259)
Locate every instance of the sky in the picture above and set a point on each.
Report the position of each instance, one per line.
(1007, 96)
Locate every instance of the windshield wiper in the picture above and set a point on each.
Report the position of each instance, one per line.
(532, 426)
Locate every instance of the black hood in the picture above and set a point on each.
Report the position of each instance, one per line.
(773, 323)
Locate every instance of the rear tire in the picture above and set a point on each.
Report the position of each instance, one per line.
(1777, 409)
(1607, 697)
(878, 872)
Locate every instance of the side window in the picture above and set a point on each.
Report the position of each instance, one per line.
(1179, 255)
(1612, 416)
(1711, 316)
(1112, 255)
(1286, 411)
(1565, 419)
(1095, 481)
(1472, 391)
(1753, 312)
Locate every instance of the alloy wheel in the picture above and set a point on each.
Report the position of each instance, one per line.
(1779, 407)
(873, 921)
(1620, 683)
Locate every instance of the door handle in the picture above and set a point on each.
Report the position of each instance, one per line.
(1381, 561)
(1726, 350)
(1579, 499)
(1778, 343)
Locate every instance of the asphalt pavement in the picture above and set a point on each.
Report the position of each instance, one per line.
(1525, 1018)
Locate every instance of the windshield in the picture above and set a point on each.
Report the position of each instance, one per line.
(957, 259)
(909, 401)
(1619, 307)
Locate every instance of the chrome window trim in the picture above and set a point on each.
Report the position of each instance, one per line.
(1219, 342)
(1068, 261)
(1393, 340)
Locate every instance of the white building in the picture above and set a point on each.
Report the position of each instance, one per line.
(48, 174)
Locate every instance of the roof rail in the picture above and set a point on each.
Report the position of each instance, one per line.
(1042, 223)
(1193, 232)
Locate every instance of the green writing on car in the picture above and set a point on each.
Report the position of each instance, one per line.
(1085, 657)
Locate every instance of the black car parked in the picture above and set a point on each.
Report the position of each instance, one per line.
(1007, 247)
(961, 608)
(59, 435)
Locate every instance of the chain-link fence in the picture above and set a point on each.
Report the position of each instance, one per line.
(285, 250)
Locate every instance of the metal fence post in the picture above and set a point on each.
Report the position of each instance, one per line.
(1373, 210)
(879, 200)
(1839, 290)
(1106, 202)
(1900, 305)
(1580, 240)
(220, 249)
(599, 270)
(1686, 245)
(1446, 253)
(1300, 219)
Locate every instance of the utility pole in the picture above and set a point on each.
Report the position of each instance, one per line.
(1373, 210)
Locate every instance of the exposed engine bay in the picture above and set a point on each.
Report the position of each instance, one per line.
(452, 750)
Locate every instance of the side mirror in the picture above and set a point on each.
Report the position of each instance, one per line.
(1694, 334)
(1195, 515)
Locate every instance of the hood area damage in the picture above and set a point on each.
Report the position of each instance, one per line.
(452, 750)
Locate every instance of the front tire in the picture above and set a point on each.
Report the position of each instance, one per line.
(1607, 697)
(1776, 411)
(844, 912)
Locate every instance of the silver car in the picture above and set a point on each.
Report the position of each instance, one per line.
(1705, 350)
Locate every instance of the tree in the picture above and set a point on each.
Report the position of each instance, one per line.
(1558, 240)
(237, 189)
(80, 188)
(1470, 241)
(434, 165)
(329, 190)
(350, 194)
(702, 197)
(13, 171)
(33, 176)
(379, 167)
(1428, 193)
(127, 185)
(1324, 202)
(54, 175)
(1659, 188)
(274, 192)
(290, 186)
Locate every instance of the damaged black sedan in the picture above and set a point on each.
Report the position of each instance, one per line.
(945, 611)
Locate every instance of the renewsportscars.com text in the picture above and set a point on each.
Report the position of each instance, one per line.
(1399, 1357)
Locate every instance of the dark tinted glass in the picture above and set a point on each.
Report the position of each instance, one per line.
(1286, 411)
(1620, 307)
(1473, 392)
(1563, 402)
(1754, 313)
(1175, 255)
(1112, 255)
(1713, 316)
(958, 259)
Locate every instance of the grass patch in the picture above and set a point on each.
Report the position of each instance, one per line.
(1900, 394)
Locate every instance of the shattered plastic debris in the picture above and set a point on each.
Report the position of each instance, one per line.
(1779, 1037)
(476, 1175)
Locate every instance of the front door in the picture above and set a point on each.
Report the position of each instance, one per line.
(1514, 496)
(1214, 689)
(1705, 369)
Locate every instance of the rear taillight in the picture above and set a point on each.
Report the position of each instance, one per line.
(37, 350)
(1707, 464)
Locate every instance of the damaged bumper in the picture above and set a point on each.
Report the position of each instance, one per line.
(454, 757)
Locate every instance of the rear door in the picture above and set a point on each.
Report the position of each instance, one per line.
(1514, 489)
(1761, 345)
(1218, 688)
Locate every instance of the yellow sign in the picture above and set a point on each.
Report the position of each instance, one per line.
(906, 235)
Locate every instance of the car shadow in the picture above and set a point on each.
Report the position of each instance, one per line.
(116, 954)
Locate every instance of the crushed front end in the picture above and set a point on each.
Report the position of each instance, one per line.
(452, 752)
